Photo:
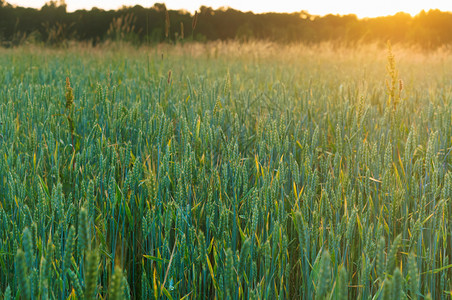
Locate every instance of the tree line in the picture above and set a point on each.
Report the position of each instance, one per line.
(52, 24)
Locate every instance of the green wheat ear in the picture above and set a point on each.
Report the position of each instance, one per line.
(7, 295)
(115, 290)
(126, 288)
(28, 247)
(392, 256)
(324, 276)
(244, 255)
(414, 276)
(380, 259)
(22, 275)
(229, 273)
(397, 288)
(43, 285)
(387, 289)
(342, 284)
(91, 275)
(69, 248)
(76, 284)
(83, 235)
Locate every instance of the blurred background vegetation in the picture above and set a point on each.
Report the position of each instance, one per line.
(53, 25)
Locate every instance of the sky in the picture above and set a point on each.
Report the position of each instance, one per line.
(362, 8)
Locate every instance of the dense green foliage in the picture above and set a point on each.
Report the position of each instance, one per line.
(53, 25)
(228, 171)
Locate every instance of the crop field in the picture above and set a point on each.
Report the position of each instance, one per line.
(225, 171)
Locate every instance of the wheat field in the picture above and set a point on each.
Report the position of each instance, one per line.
(225, 171)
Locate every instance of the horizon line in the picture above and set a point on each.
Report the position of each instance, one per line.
(230, 7)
